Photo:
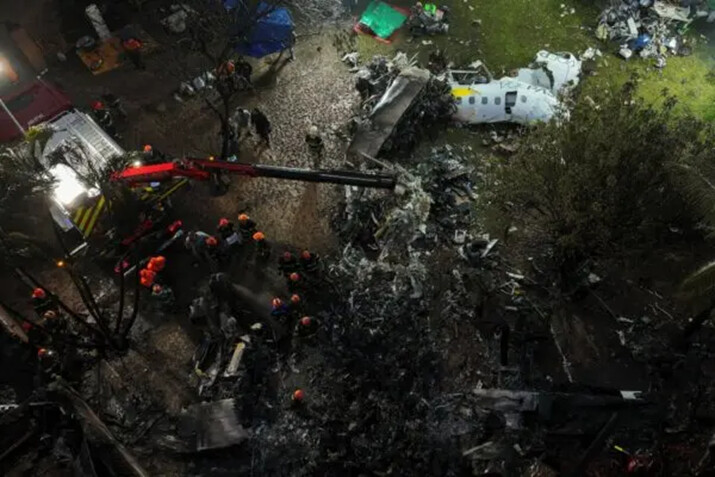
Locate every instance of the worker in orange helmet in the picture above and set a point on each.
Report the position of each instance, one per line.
(147, 148)
(262, 249)
(212, 242)
(287, 263)
(246, 227)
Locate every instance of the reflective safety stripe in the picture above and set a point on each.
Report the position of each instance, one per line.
(86, 217)
(173, 189)
(97, 212)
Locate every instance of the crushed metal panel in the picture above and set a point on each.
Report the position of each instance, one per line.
(387, 112)
(212, 425)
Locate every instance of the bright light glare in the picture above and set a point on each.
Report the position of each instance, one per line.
(68, 186)
(137, 163)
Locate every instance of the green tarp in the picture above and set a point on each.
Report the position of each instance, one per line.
(382, 19)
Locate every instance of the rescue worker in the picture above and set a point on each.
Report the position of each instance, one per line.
(309, 262)
(163, 296)
(279, 309)
(296, 305)
(41, 302)
(115, 105)
(287, 263)
(151, 155)
(53, 322)
(212, 247)
(230, 239)
(132, 47)
(262, 248)
(246, 227)
(295, 282)
(263, 127)
(244, 70)
(307, 326)
(197, 242)
(315, 145)
(104, 118)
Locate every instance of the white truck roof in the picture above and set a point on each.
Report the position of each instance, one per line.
(77, 126)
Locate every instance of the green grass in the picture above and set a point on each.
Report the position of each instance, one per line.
(512, 31)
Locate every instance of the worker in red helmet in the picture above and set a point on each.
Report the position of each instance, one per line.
(279, 309)
(246, 227)
(306, 327)
(133, 50)
(309, 262)
(41, 302)
(296, 304)
(287, 263)
(295, 282)
(163, 296)
(104, 118)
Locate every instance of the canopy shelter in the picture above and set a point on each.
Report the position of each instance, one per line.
(271, 33)
(381, 21)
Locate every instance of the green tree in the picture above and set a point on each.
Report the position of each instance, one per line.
(606, 181)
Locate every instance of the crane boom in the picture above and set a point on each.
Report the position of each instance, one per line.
(201, 169)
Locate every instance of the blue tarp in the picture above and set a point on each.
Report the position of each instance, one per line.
(272, 33)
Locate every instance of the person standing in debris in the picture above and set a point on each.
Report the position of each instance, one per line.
(262, 249)
(115, 105)
(296, 282)
(315, 145)
(198, 242)
(132, 47)
(287, 263)
(296, 305)
(42, 303)
(309, 262)
(163, 296)
(104, 118)
(246, 227)
(242, 121)
(263, 127)
(279, 309)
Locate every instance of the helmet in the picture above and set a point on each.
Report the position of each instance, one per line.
(211, 241)
(276, 302)
(146, 281)
(298, 395)
(38, 293)
(294, 277)
(313, 131)
(147, 148)
(97, 105)
(258, 236)
(156, 288)
(41, 352)
(50, 315)
(305, 321)
(223, 222)
(295, 299)
(242, 217)
(305, 254)
(287, 255)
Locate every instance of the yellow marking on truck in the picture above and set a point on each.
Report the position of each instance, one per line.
(97, 212)
(462, 92)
